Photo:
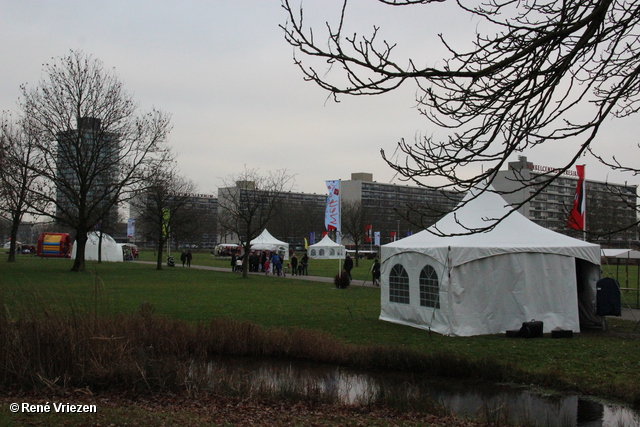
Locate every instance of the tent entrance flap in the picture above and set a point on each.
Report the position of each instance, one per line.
(587, 275)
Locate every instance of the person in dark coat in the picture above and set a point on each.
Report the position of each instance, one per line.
(348, 266)
(375, 272)
(294, 264)
(189, 258)
(305, 264)
(183, 257)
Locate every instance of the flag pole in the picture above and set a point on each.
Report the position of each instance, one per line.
(584, 189)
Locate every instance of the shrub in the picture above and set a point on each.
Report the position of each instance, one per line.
(342, 280)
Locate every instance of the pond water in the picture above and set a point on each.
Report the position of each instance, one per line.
(498, 403)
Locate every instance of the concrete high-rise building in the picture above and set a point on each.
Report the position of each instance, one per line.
(87, 165)
(609, 209)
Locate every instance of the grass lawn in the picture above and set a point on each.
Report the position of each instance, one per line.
(596, 362)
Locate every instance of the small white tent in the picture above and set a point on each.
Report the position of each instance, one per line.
(266, 242)
(111, 251)
(464, 284)
(326, 249)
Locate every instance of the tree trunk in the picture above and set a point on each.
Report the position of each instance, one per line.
(81, 244)
(159, 259)
(14, 240)
(99, 247)
(245, 259)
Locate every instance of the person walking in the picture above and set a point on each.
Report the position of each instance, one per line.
(183, 257)
(348, 266)
(189, 258)
(305, 264)
(375, 272)
(294, 264)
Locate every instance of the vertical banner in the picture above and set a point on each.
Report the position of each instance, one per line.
(577, 214)
(367, 234)
(306, 243)
(131, 228)
(332, 212)
(409, 233)
(165, 222)
(312, 238)
(376, 238)
(392, 236)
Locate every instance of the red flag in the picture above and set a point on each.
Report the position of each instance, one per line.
(392, 236)
(576, 217)
(367, 236)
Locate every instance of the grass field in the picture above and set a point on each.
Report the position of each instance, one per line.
(594, 362)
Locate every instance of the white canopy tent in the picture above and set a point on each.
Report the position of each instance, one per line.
(326, 249)
(473, 284)
(111, 251)
(266, 242)
(621, 253)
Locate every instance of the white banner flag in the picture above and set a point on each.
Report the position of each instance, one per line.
(332, 212)
(131, 228)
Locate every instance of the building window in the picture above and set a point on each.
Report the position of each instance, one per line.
(429, 288)
(399, 285)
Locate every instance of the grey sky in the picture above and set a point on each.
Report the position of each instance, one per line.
(224, 71)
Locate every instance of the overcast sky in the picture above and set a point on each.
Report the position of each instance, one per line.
(224, 72)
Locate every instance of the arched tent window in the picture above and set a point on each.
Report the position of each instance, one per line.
(320, 252)
(312, 252)
(332, 252)
(429, 288)
(399, 285)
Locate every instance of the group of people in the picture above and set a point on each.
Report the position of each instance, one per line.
(272, 262)
(186, 257)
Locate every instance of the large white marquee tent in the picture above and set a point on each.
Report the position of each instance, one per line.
(266, 242)
(464, 284)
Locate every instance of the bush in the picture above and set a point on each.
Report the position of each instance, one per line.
(342, 280)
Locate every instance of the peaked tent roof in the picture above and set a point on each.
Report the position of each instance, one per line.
(515, 233)
(325, 242)
(265, 238)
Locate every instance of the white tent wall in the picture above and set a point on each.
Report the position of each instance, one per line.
(111, 251)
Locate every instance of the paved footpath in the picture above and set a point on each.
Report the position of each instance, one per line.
(366, 283)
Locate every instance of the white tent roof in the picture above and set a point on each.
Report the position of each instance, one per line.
(513, 234)
(326, 249)
(621, 253)
(266, 242)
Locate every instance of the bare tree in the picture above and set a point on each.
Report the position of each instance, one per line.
(355, 218)
(93, 144)
(17, 179)
(161, 206)
(544, 73)
(248, 201)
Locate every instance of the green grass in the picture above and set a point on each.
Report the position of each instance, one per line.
(600, 363)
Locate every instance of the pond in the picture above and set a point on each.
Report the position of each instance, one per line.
(497, 403)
